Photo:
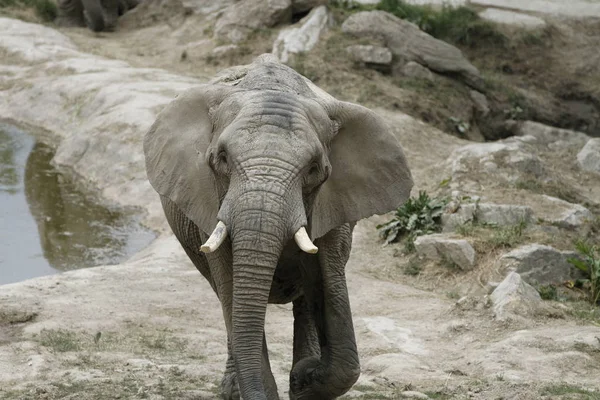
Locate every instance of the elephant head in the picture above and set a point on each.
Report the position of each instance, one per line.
(266, 160)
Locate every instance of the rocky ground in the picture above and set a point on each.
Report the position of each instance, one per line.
(458, 318)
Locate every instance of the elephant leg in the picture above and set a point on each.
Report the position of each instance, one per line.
(110, 10)
(93, 15)
(338, 367)
(70, 13)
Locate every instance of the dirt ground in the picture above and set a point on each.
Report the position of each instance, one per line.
(152, 328)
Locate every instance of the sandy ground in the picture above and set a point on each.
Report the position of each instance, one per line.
(152, 328)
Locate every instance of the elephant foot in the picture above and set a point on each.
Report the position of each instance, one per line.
(229, 386)
(309, 381)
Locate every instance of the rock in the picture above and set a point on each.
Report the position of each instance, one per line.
(148, 12)
(589, 157)
(368, 54)
(415, 70)
(303, 36)
(224, 51)
(300, 6)
(539, 264)
(515, 296)
(408, 43)
(572, 215)
(503, 214)
(506, 159)
(197, 49)
(439, 247)
(487, 213)
(245, 16)
(464, 214)
(480, 102)
(549, 135)
(512, 18)
(411, 394)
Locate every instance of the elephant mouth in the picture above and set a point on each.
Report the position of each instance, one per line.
(219, 235)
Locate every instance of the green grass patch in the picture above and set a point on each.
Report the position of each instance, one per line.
(563, 389)
(489, 237)
(459, 25)
(46, 10)
(548, 292)
(59, 340)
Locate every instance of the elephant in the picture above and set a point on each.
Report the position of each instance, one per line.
(98, 15)
(262, 177)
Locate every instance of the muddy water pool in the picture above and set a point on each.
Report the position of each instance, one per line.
(47, 225)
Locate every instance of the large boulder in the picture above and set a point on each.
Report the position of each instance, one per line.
(568, 215)
(504, 161)
(514, 296)
(303, 36)
(370, 55)
(589, 157)
(539, 264)
(241, 18)
(487, 213)
(439, 247)
(549, 135)
(409, 43)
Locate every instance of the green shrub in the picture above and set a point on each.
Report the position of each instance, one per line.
(459, 25)
(418, 216)
(45, 9)
(590, 265)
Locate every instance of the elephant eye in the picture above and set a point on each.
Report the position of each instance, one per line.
(314, 169)
(222, 157)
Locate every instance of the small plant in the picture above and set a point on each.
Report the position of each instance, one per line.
(508, 236)
(460, 126)
(59, 340)
(418, 216)
(548, 292)
(413, 268)
(590, 265)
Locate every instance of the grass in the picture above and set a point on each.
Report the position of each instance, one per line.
(562, 389)
(59, 340)
(459, 25)
(548, 292)
(46, 10)
(489, 238)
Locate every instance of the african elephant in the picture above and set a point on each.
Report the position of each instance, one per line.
(98, 15)
(256, 171)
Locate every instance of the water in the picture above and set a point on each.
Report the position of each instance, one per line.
(46, 224)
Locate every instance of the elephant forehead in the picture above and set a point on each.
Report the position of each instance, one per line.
(286, 110)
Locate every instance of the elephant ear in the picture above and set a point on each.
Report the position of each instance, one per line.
(175, 149)
(369, 172)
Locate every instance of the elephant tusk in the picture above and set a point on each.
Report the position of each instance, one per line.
(216, 239)
(304, 242)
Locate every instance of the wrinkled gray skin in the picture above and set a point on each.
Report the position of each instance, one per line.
(265, 151)
(98, 15)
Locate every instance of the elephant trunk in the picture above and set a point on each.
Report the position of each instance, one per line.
(260, 226)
